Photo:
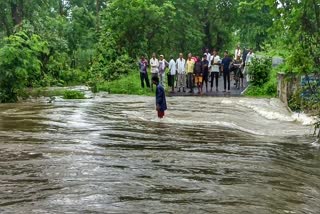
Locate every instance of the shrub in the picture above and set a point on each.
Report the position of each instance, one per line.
(260, 71)
(71, 94)
(19, 64)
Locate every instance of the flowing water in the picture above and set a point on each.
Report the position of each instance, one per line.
(110, 154)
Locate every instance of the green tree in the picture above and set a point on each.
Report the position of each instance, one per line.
(20, 65)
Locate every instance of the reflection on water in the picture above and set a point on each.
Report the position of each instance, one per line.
(112, 155)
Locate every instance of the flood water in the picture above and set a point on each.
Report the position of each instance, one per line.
(110, 154)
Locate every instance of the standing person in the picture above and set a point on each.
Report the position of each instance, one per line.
(161, 104)
(172, 70)
(198, 74)
(189, 70)
(181, 65)
(237, 52)
(162, 68)
(248, 62)
(238, 75)
(205, 71)
(143, 65)
(226, 61)
(154, 63)
(215, 69)
(207, 53)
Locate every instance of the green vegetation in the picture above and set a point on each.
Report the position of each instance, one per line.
(44, 92)
(128, 84)
(263, 78)
(64, 42)
(72, 94)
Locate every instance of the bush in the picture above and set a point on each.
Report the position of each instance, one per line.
(19, 64)
(260, 70)
(73, 76)
(127, 84)
(73, 95)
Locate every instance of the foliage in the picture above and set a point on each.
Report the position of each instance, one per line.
(129, 84)
(72, 94)
(19, 64)
(259, 71)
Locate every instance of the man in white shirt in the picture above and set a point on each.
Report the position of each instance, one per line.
(154, 63)
(215, 69)
(181, 66)
(207, 53)
(172, 70)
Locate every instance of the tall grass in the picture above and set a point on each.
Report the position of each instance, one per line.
(126, 84)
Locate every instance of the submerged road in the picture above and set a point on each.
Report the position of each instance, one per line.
(111, 154)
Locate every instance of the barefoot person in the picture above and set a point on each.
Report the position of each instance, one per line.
(161, 104)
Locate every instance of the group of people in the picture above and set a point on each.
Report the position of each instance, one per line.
(202, 72)
(194, 71)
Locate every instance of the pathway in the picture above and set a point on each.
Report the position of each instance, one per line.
(234, 92)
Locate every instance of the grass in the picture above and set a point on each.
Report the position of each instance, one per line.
(44, 92)
(129, 84)
(71, 94)
(267, 90)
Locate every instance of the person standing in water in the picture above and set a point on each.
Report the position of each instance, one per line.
(161, 103)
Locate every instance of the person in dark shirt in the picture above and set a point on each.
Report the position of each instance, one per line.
(143, 64)
(205, 71)
(161, 103)
(226, 61)
(197, 70)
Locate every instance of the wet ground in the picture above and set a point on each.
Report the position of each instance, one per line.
(111, 154)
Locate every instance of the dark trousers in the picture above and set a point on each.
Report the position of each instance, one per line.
(144, 77)
(205, 80)
(226, 77)
(214, 75)
(171, 81)
(190, 81)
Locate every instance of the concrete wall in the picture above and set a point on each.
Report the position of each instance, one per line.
(287, 86)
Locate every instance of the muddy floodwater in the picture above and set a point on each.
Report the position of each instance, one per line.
(110, 154)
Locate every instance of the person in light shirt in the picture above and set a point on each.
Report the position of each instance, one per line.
(207, 53)
(248, 63)
(215, 69)
(189, 69)
(172, 70)
(163, 64)
(181, 66)
(154, 64)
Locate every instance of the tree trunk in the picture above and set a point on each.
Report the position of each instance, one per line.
(61, 10)
(17, 12)
(98, 15)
